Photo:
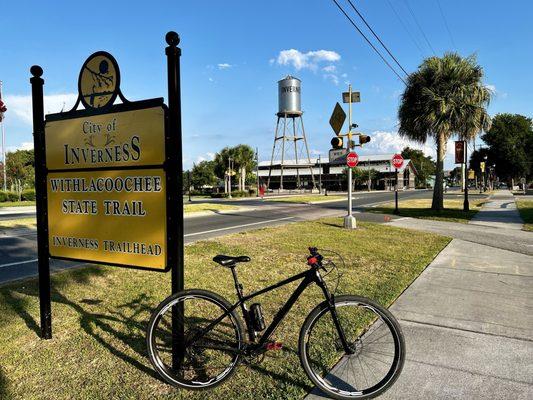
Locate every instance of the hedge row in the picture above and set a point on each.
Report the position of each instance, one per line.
(28, 195)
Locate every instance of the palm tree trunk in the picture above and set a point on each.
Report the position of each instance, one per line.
(243, 178)
(438, 201)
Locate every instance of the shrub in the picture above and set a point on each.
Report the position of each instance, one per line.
(28, 195)
(219, 195)
(3, 196)
(12, 196)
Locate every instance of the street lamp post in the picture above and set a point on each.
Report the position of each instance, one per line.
(319, 175)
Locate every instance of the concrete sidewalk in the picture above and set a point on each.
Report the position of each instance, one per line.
(499, 212)
(468, 318)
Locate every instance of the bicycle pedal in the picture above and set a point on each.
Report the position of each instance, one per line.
(273, 346)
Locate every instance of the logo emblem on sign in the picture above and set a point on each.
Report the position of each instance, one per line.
(99, 81)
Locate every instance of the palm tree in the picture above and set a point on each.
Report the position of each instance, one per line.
(444, 97)
(244, 160)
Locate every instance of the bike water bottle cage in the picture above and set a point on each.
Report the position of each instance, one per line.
(230, 261)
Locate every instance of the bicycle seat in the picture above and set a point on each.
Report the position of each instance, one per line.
(229, 261)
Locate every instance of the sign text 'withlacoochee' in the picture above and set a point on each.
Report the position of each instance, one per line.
(102, 207)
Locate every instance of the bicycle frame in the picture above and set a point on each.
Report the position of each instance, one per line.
(307, 277)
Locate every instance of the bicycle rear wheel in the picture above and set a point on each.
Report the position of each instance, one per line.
(208, 357)
(375, 340)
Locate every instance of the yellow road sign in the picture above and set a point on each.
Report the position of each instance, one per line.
(471, 174)
(118, 139)
(337, 118)
(116, 217)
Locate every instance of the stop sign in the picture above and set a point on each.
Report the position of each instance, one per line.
(352, 159)
(397, 161)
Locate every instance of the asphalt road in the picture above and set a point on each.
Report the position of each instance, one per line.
(18, 249)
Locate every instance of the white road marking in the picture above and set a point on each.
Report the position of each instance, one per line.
(237, 226)
(18, 263)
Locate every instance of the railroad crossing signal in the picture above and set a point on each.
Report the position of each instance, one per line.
(337, 119)
(363, 139)
(337, 143)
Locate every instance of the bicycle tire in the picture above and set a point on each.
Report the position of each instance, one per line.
(165, 370)
(346, 390)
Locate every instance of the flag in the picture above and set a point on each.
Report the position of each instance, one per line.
(3, 108)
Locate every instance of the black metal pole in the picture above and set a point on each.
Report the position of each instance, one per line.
(174, 189)
(45, 303)
(466, 205)
(396, 211)
(190, 181)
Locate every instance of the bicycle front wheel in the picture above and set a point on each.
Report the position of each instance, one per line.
(208, 343)
(376, 348)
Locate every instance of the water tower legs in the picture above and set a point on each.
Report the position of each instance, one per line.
(295, 137)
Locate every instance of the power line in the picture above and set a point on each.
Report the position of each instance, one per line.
(419, 27)
(369, 42)
(405, 28)
(377, 37)
(446, 24)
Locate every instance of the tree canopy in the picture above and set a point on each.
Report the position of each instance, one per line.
(424, 165)
(510, 146)
(444, 97)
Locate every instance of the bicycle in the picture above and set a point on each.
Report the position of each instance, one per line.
(339, 337)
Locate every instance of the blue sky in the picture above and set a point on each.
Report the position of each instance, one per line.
(234, 52)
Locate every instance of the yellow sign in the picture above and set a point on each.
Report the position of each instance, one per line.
(99, 80)
(471, 174)
(119, 139)
(108, 216)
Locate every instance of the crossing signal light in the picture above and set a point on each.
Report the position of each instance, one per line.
(336, 143)
(364, 139)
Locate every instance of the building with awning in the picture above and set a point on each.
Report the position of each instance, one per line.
(299, 175)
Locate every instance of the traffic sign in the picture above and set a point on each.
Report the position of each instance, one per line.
(337, 118)
(352, 159)
(356, 97)
(337, 156)
(397, 161)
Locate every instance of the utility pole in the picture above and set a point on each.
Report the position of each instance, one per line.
(257, 170)
(319, 175)
(230, 170)
(189, 184)
(3, 146)
(349, 220)
(466, 205)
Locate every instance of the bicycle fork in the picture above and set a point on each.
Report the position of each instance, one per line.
(331, 307)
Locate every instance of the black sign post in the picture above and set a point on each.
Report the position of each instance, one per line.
(175, 185)
(396, 211)
(45, 306)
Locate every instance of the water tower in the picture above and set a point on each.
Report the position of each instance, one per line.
(289, 139)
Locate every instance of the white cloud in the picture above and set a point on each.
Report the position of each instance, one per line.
(309, 60)
(205, 157)
(383, 142)
(224, 66)
(496, 92)
(20, 106)
(22, 146)
(329, 68)
(333, 78)
(315, 152)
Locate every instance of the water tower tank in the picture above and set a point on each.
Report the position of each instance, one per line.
(289, 96)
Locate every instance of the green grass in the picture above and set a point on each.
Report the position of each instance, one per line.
(100, 313)
(199, 207)
(306, 199)
(526, 212)
(453, 209)
(17, 203)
